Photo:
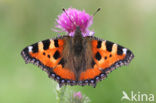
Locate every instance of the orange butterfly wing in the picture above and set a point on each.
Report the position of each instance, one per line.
(47, 54)
(106, 57)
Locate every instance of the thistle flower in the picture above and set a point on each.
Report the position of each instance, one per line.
(64, 95)
(78, 95)
(71, 18)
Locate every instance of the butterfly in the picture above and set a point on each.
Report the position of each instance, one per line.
(77, 60)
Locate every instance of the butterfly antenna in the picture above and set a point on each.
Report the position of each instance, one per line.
(96, 11)
(64, 10)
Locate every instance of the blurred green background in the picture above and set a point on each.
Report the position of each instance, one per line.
(131, 23)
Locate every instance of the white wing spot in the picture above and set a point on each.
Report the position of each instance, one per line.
(124, 50)
(30, 48)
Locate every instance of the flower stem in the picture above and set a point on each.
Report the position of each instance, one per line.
(60, 93)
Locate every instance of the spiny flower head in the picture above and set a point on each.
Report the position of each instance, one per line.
(78, 95)
(79, 98)
(72, 18)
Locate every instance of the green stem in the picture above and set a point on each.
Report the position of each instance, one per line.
(60, 94)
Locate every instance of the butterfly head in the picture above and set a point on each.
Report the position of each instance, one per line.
(78, 32)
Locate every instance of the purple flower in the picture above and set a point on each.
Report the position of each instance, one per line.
(71, 18)
(78, 95)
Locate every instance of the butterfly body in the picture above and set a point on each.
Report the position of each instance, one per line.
(77, 60)
(78, 53)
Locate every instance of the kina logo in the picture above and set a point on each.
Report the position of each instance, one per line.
(137, 96)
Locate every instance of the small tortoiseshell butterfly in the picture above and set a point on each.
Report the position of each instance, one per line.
(77, 58)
